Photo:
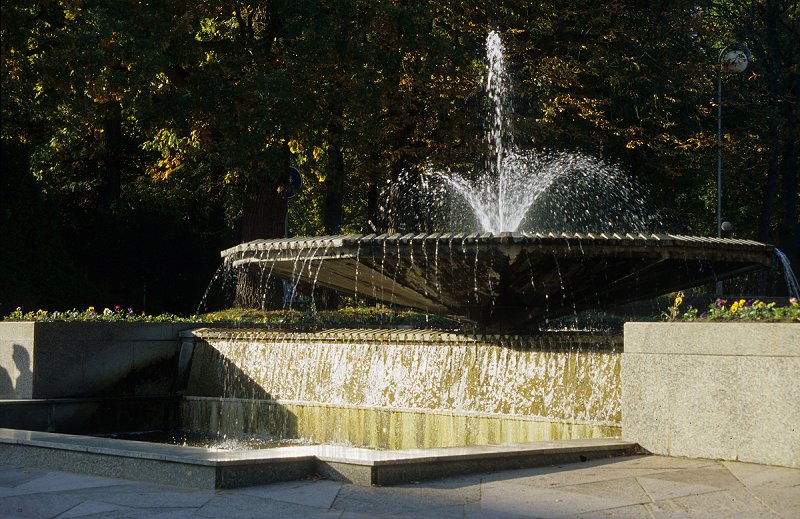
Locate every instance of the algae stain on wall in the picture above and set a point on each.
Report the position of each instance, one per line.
(416, 389)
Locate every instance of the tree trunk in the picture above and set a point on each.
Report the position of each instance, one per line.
(263, 216)
(407, 212)
(783, 57)
(264, 209)
(334, 179)
(373, 216)
(771, 61)
(789, 231)
(771, 188)
(111, 158)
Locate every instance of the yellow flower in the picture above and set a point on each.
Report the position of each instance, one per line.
(735, 306)
(90, 310)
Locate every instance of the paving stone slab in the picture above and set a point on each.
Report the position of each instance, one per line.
(625, 512)
(553, 477)
(663, 489)
(319, 494)
(716, 477)
(14, 477)
(187, 513)
(477, 512)
(38, 505)
(147, 496)
(754, 475)
(233, 506)
(781, 499)
(8, 492)
(543, 502)
(663, 462)
(393, 501)
(624, 492)
(442, 492)
(60, 481)
(724, 504)
(91, 508)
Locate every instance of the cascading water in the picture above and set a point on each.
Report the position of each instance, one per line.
(403, 389)
(792, 285)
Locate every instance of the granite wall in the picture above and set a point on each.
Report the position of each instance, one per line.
(726, 391)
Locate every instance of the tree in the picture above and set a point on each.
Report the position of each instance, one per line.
(772, 29)
(146, 124)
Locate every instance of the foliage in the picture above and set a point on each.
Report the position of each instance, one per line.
(154, 127)
(736, 310)
(346, 317)
(117, 314)
(608, 321)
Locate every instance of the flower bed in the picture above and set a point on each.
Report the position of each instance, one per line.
(347, 317)
(91, 314)
(735, 310)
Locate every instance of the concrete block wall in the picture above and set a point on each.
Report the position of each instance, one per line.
(16, 360)
(86, 359)
(726, 391)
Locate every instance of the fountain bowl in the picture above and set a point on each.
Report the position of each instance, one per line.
(507, 281)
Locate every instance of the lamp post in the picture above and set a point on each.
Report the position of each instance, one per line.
(733, 58)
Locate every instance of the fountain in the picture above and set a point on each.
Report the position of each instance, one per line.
(548, 234)
(473, 396)
(508, 273)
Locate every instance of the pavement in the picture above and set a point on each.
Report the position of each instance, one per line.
(627, 487)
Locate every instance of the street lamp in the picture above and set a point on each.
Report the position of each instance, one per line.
(734, 58)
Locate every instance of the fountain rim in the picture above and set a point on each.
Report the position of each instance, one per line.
(612, 239)
(551, 339)
(397, 268)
